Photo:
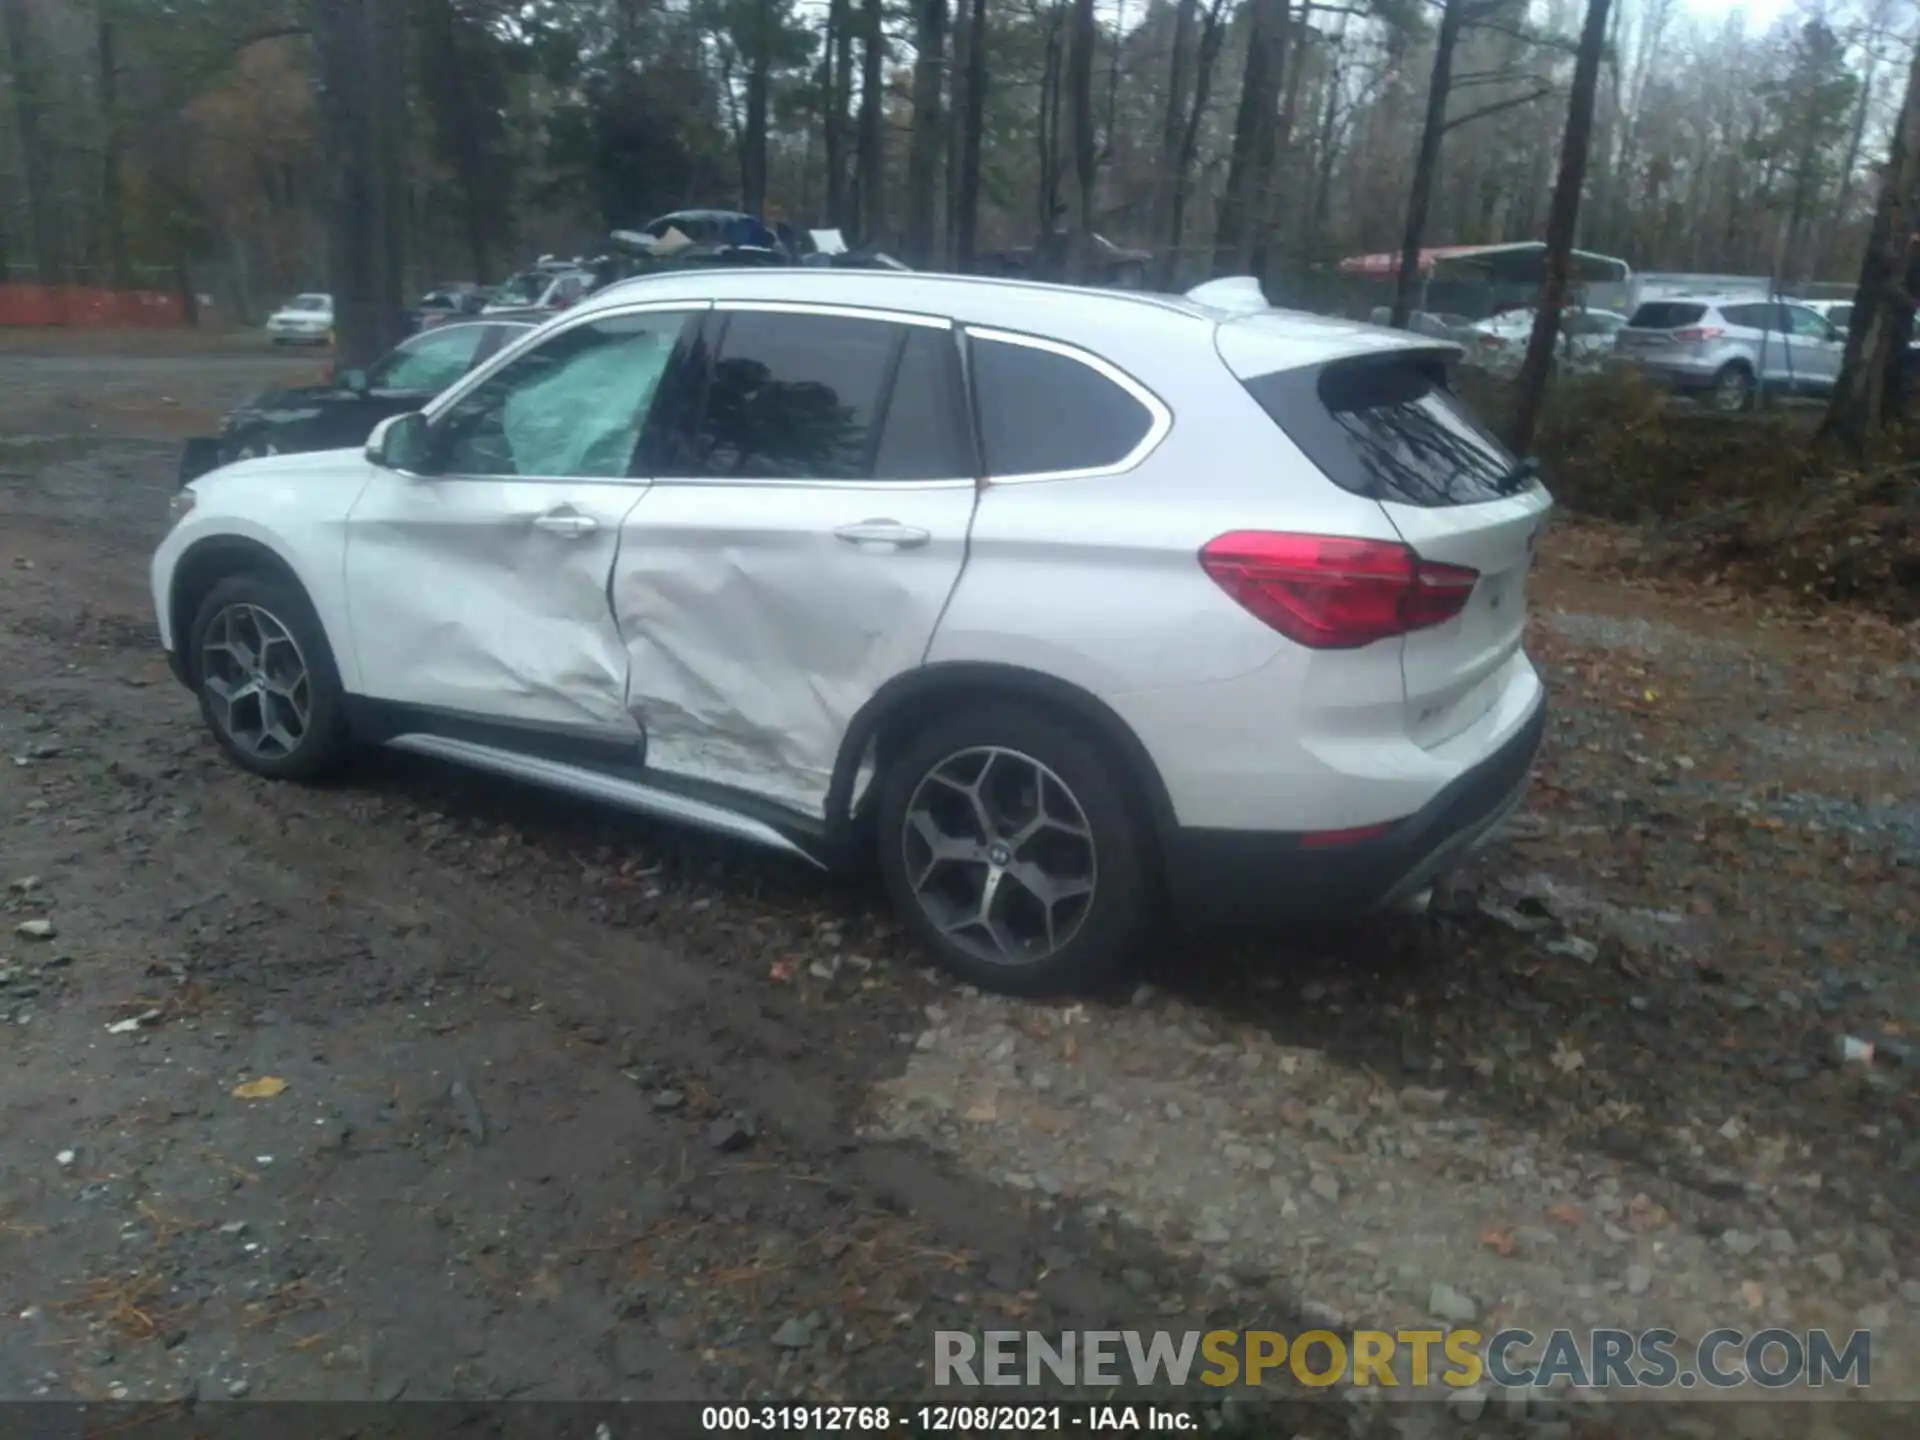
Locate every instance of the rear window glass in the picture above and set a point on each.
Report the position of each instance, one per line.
(1666, 315)
(1389, 429)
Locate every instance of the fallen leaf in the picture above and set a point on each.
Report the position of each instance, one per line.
(1564, 1213)
(1753, 1293)
(780, 971)
(1499, 1239)
(265, 1088)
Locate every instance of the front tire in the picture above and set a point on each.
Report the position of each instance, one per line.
(265, 675)
(1013, 853)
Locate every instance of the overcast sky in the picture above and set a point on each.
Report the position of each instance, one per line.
(1760, 13)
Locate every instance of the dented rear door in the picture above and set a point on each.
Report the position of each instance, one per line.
(479, 591)
(799, 550)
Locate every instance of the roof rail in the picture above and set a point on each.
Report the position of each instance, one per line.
(1239, 293)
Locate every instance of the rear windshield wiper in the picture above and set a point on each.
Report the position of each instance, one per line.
(1523, 474)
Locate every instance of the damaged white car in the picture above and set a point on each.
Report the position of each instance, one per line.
(1061, 604)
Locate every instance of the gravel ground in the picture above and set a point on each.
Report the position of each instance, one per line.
(552, 1103)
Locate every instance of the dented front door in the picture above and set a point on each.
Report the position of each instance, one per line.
(802, 555)
(479, 590)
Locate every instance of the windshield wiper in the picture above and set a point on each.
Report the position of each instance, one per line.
(1523, 474)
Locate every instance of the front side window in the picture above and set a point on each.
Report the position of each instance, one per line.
(429, 362)
(1044, 413)
(572, 407)
(796, 397)
(1807, 324)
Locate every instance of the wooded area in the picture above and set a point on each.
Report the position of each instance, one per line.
(242, 143)
(1222, 134)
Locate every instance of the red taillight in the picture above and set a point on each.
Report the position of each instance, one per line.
(1698, 333)
(1327, 839)
(1332, 593)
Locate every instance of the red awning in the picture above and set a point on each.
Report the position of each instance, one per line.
(1388, 262)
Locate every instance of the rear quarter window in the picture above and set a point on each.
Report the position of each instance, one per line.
(1666, 315)
(1388, 428)
(1046, 413)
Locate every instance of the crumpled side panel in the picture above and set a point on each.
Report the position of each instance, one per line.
(461, 602)
(756, 634)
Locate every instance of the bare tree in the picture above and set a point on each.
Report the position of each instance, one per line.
(973, 123)
(1080, 45)
(1883, 308)
(1250, 166)
(873, 140)
(1213, 31)
(923, 151)
(361, 50)
(32, 76)
(1562, 221)
(837, 65)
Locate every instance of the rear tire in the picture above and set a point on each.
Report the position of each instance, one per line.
(268, 686)
(1733, 390)
(1013, 853)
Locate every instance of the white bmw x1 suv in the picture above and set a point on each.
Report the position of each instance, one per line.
(1062, 604)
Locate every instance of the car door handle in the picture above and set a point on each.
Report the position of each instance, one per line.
(883, 532)
(566, 523)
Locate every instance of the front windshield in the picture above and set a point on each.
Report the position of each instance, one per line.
(310, 302)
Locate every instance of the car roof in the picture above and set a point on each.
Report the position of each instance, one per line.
(1282, 339)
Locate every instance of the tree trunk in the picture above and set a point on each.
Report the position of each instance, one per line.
(113, 210)
(1212, 34)
(1173, 127)
(838, 60)
(753, 135)
(873, 119)
(1859, 398)
(966, 225)
(956, 127)
(923, 153)
(1080, 46)
(1426, 164)
(1250, 164)
(1562, 221)
(1052, 83)
(31, 71)
(362, 95)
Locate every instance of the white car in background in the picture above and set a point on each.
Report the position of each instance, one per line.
(303, 320)
(1499, 343)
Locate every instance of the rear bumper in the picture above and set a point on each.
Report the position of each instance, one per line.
(1245, 877)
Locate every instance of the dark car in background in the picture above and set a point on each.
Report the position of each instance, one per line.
(446, 303)
(342, 414)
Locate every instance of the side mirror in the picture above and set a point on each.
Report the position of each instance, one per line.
(401, 442)
(354, 381)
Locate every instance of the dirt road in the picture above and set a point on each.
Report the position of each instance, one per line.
(553, 1103)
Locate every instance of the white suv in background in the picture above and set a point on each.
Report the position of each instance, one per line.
(1059, 603)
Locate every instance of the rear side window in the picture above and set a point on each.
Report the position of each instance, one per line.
(1389, 429)
(1044, 413)
(1841, 316)
(1666, 315)
(795, 397)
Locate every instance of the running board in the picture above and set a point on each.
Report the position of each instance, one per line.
(608, 789)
